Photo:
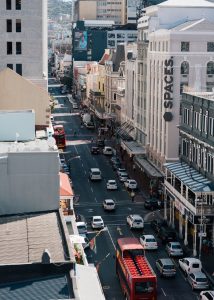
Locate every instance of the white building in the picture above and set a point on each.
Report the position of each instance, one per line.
(116, 37)
(180, 37)
(23, 35)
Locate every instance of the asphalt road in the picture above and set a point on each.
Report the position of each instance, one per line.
(91, 196)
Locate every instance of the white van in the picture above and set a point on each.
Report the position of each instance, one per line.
(107, 151)
(95, 174)
(190, 265)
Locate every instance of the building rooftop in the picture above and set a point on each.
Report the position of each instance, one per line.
(196, 25)
(23, 238)
(204, 95)
(31, 146)
(185, 3)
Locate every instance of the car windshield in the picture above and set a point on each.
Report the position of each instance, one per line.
(138, 220)
(169, 267)
(81, 226)
(201, 279)
(110, 203)
(96, 173)
(176, 247)
(195, 266)
(132, 182)
(150, 240)
(97, 220)
(144, 287)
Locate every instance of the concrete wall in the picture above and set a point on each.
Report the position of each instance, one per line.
(87, 10)
(29, 182)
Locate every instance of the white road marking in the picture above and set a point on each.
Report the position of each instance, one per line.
(111, 239)
(163, 292)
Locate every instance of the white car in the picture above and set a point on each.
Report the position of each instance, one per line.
(198, 280)
(109, 204)
(174, 249)
(148, 242)
(121, 170)
(97, 222)
(130, 184)
(111, 185)
(207, 295)
(123, 177)
(107, 151)
(135, 221)
(190, 265)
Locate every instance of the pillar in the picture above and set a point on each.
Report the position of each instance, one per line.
(186, 231)
(165, 206)
(173, 214)
(194, 241)
(170, 212)
(180, 225)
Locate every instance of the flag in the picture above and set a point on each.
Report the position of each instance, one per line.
(92, 244)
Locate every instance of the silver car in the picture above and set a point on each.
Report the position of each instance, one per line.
(166, 267)
(198, 280)
(174, 249)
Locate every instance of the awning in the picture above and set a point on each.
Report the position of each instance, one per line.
(133, 147)
(190, 177)
(148, 168)
(65, 186)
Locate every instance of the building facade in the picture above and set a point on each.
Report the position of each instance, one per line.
(23, 37)
(116, 37)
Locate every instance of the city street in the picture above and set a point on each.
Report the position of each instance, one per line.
(91, 195)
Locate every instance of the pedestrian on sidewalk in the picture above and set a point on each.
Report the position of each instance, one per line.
(132, 196)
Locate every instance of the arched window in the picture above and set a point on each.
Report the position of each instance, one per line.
(210, 68)
(184, 68)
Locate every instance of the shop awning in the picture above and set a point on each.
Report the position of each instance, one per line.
(190, 177)
(65, 186)
(147, 167)
(132, 147)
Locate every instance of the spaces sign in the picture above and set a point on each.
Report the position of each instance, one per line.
(168, 88)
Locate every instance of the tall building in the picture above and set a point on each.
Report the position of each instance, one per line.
(23, 35)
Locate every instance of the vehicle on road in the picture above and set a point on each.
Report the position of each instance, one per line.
(116, 165)
(95, 174)
(107, 150)
(75, 105)
(131, 184)
(101, 143)
(198, 280)
(109, 204)
(135, 222)
(90, 125)
(174, 249)
(120, 170)
(151, 203)
(148, 242)
(59, 135)
(114, 160)
(111, 184)
(157, 224)
(136, 276)
(190, 265)
(97, 222)
(206, 295)
(167, 235)
(123, 177)
(95, 150)
(82, 227)
(166, 267)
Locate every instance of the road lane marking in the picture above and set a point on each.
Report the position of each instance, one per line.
(119, 230)
(111, 239)
(163, 292)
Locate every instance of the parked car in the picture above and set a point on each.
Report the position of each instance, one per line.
(95, 174)
(95, 150)
(111, 184)
(109, 204)
(190, 265)
(206, 295)
(114, 160)
(120, 170)
(82, 227)
(107, 150)
(101, 143)
(131, 184)
(123, 177)
(157, 224)
(198, 280)
(167, 235)
(135, 222)
(151, 203)
(97, 222)
(174, 249)
(149, 242)
(166, 267)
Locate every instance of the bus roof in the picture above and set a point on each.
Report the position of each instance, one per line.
(129, 243)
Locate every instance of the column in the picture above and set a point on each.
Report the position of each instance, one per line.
(170, 212)
(165, 205)
(180, 225)
(186, 231)
(173, 214)
(194, 241)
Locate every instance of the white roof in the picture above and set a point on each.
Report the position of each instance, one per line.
(187, 3)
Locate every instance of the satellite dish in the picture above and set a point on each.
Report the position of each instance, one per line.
(51, 141)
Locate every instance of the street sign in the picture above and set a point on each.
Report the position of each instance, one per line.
(202, 234)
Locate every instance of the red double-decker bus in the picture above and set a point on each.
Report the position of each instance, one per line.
(137, 278)
(59, 135)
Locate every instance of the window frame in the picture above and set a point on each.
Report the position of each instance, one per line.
(8, 4)
(21, 71)
(18, 25)
(9, 46)
(18, 4)
(185, 46)
(9, 25)
(18, 48)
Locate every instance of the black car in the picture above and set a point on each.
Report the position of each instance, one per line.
(100, 143)
(151, 203)
(95, 150)
(157, 224)
(167, 235)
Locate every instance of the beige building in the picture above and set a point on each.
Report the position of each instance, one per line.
(18, 93)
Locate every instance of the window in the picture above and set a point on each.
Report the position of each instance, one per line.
(10, 66)
(204, 123)
(210, 163)
(9, 25)
(185, 68)
(19, 69)
(185, 148)
(186, 116)
(196, 119)
(210, 46)
(184, 46)
(18, 4)
(8, 5)
(211, 126)
(210, 68)
(18, 48)
(9, 48)
(18, 25)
